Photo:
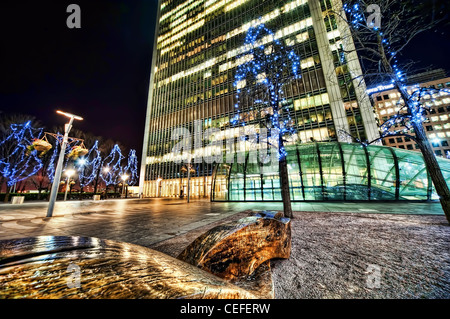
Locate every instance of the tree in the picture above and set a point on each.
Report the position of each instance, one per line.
(88, 166)
(132, 168)
(6, 120)
(105, 148)
(17, 163)
(41, 179)
(379, 40)
(264, 71)
(113, 167)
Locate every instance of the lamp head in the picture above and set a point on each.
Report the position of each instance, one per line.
(76, 117)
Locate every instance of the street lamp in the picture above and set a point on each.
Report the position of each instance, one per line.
(57, 178)
(124, 178)
(68, 174)
(189, 168)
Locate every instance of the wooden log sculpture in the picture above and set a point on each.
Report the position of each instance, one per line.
(234, 251)
(229, 261)
(43, 267)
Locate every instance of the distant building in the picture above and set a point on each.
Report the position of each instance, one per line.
(438, 124)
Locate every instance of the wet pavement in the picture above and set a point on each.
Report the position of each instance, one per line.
(148, 221)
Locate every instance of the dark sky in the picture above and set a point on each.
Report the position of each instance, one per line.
(102, 70)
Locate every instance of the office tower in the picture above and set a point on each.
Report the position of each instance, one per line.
(437, 125)
(197, 43)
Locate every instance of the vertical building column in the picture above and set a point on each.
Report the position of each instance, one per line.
(331, 81)
(143, 175)
(365, 106)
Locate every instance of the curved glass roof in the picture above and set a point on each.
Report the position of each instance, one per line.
(331, 171)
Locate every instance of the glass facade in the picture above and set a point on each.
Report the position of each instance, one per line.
(194, 63)
(331, 171)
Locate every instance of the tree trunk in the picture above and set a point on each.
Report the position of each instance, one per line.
(430, 160)
(97, 177)
(433, 168)
(6, 195)
(284, 183)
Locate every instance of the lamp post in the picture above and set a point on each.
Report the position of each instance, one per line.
(190, 169)
(124, 179)
(68, 174)
(57, 178)
(159, 185)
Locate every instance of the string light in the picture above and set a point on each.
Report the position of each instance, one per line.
(132, 168)
(113, 164)
(89, 165)
(265, 70)
(412, 109)
(19, 162)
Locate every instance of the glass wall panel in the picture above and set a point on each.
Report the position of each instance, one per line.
(382, 165)
(220, 192)
(253, 182)
(413, 175)
(345, 175)
(356, 172)
(333, 175)
(270, 182)
(236, 184)
(295, 184)
(309, 161)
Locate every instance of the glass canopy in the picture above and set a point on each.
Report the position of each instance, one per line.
(331, 171)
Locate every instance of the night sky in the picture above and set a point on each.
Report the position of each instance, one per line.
(102, 70)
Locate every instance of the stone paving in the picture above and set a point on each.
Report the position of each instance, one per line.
(148, 221)
(333, 243)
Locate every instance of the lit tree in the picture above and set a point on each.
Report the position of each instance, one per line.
(41, 180)
(50, 171)
(381, 30)
(265, 69)
(132, 168)
(88, 166)
(112, 167)
(105, 148)
(17, 163)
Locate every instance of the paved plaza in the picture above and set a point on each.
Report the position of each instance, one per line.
(148, 221)
(333, 244)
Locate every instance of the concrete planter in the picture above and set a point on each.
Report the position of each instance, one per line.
(17, 200)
